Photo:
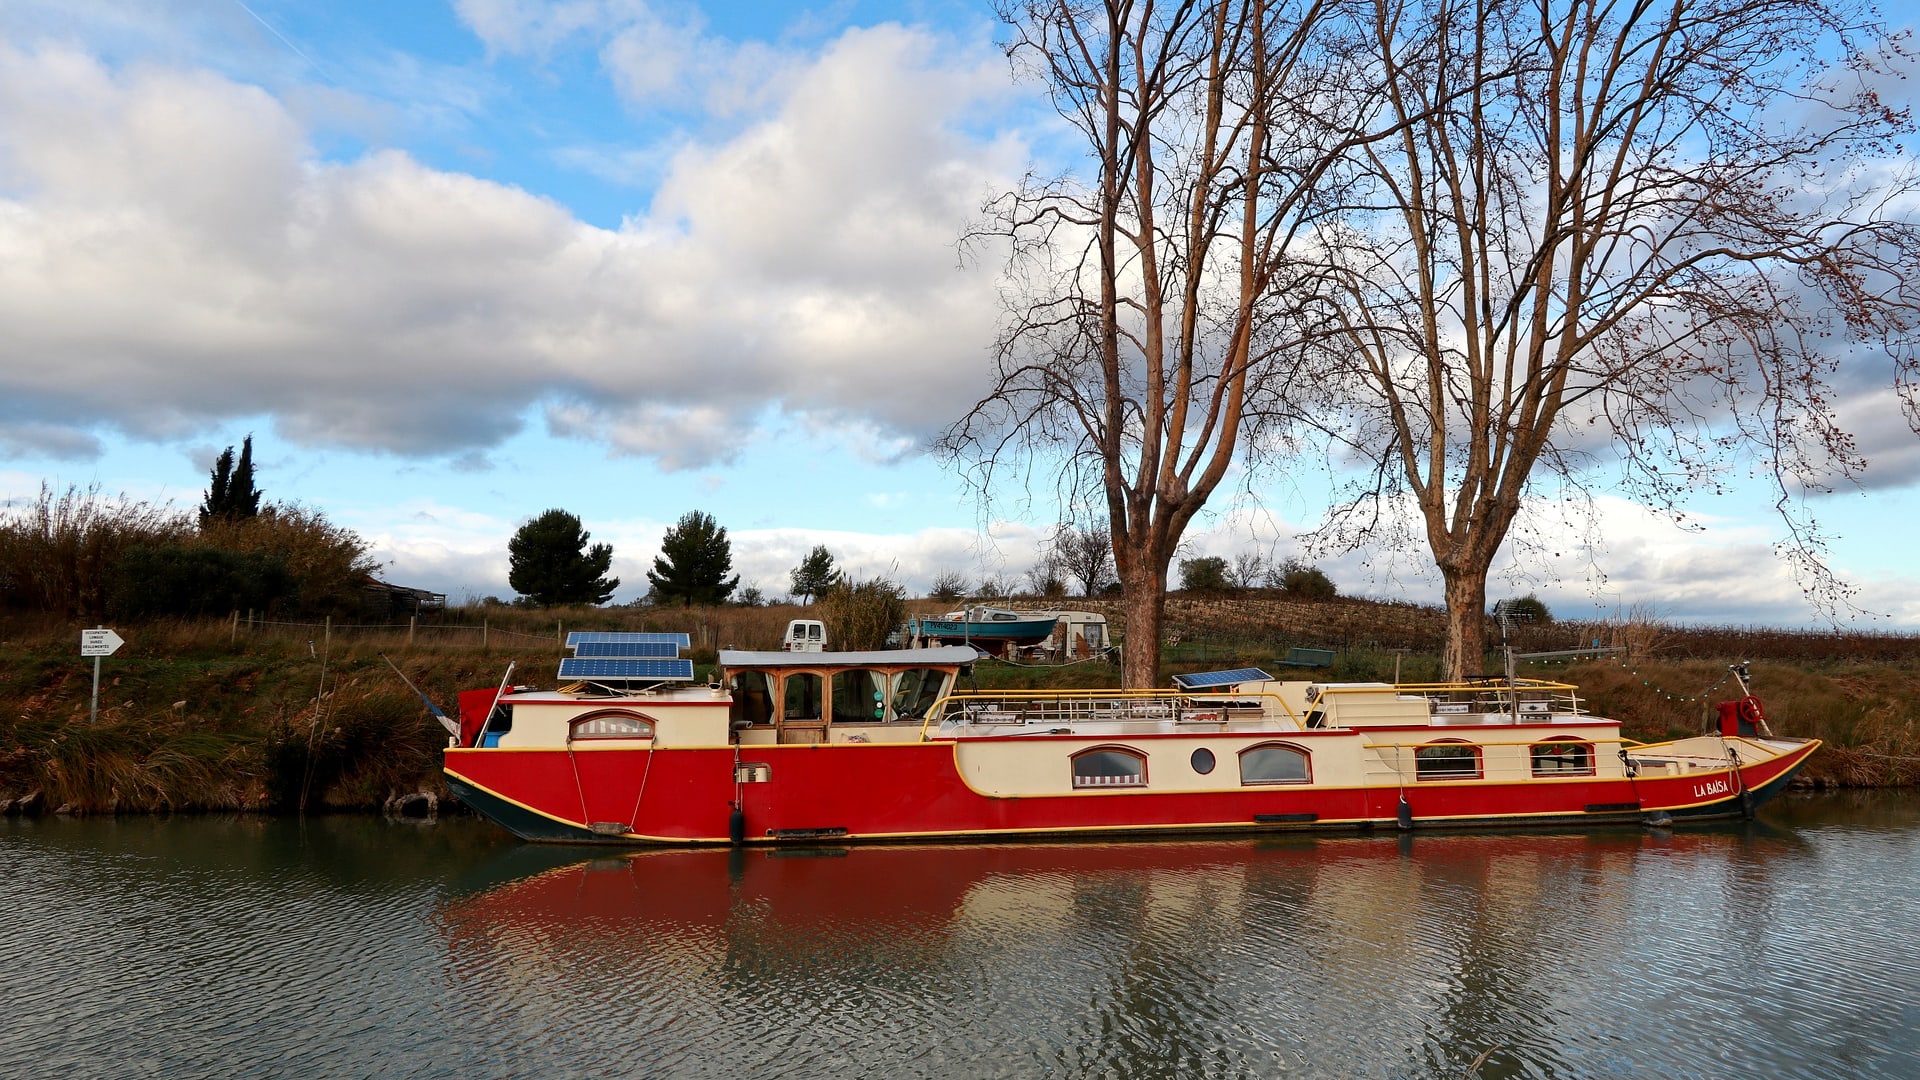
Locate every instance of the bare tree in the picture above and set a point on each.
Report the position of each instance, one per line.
(995, 587)
(1149, 302)
(1086, 554)
(1248, 570)
(948, 586)
(1047, 577)
(1645, 233)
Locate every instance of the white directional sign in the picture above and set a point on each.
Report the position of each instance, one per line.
(101, 642)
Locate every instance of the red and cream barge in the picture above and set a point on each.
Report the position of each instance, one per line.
(843, 747)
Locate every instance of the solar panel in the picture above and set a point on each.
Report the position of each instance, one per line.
(627, 648)
(1201, 679)
(626, 670)
(575, 637)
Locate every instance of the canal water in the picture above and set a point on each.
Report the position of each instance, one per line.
(356, 947)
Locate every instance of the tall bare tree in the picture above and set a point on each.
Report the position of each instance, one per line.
(1148, 303)
(1646, 232)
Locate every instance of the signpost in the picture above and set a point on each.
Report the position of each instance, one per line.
(97, 643)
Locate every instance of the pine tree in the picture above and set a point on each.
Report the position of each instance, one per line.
(230, 492)
(814, 575)
(694, 559)
(549, 562)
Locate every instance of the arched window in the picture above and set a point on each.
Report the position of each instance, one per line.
(1564, 756)
(801, 691)
(610, 725)
(1447, 761)
(1109, 767)
(1275, 763)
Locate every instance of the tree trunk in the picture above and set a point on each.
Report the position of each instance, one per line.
(1146, 605)
(1466, 652)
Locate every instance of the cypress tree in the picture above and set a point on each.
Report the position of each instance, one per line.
(230, 491)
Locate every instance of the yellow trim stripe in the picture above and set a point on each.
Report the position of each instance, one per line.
(537, 812)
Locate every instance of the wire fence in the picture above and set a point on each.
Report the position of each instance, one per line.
(413, 632)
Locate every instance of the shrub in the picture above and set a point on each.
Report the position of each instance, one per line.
(1304, 582)
(325, 562)
(1207, 574)
(183, 579)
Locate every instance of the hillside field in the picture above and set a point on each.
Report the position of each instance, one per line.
(228, 714)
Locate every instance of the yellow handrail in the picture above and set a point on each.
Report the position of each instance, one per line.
(1067, 696)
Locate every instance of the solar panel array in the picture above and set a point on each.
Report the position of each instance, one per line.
(615, 656)
(602, 669)
(655, 649)
(576, 637)
(1202, 679)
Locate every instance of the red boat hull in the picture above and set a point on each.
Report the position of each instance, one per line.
(914, 791)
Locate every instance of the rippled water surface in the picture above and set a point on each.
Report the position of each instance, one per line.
(354, 947)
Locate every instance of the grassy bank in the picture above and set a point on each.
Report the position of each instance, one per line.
(225, 715)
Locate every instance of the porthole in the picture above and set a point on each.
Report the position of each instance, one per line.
(1202, 761)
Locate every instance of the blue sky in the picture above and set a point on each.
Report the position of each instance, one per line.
(454, 264)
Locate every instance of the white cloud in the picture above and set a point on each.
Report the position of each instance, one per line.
(536, 26)
(175, 253)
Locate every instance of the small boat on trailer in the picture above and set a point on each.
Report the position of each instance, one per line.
(992, 630)
(845, 747)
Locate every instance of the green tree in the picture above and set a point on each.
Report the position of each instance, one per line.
(549, 562)
(815, 574)
(1303, 581)
(230, 491)
(1208, 574)
(693, 563)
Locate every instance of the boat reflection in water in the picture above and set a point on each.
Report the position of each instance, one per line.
(1369, 955)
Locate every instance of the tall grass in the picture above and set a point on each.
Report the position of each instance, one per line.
(56, 553)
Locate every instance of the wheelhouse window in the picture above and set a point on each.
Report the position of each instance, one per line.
(1563, 757)
(915, 690)
(859, 697)
(1274, 764)
(1447, 761)
(609, 725)
(752, 693)
(801, 696)
(1109, 768)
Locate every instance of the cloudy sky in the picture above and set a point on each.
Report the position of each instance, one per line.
(452, 264)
